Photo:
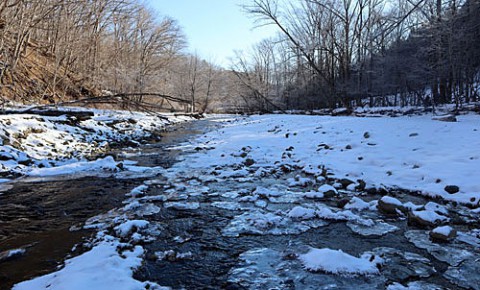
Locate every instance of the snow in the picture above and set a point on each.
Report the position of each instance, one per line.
(391, 200)
(93, 167)
(125, 228)
(300, 212)
(103, 267)
(430, 216)
(326, 188)
(358, 204)
(261, 197)
(440, 154)
(444, 230)
(34, 144)
(337, 262)
(139, 190)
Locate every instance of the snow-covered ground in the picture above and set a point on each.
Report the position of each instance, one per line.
(414, 153)
(286, 175)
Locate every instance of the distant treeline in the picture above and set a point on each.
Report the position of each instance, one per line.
(347, 53)
(327, 54)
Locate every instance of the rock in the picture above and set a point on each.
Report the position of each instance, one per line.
(424, 218)
(447, 118)
(361, 185)
(452, 189)
(390, 205)
(249, 162)
(11, 254)
(443, 234)
(342, 202)
(345, 182)
(366, 135)
(328, 191)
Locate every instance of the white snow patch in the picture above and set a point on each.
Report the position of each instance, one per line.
(127, 227)
(300, 212)
(337, 262)
(101, 268)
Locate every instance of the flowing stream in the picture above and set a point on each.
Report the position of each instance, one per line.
(209, 239)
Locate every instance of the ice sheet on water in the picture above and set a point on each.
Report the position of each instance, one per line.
(417, 285)
(266, 223)
(466, 274)
(471, 238)
(402, 266)
(182, 205)
(377, 229)
(228, 205)
(270, 269)
(448, 254)
(145, 209)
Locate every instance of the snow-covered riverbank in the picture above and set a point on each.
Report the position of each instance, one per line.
(413, 153)
(33, 144)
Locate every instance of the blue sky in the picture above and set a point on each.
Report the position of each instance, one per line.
(214, 28)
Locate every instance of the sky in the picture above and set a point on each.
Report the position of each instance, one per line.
(214, 28)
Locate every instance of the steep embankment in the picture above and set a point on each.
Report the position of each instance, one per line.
(34, 76)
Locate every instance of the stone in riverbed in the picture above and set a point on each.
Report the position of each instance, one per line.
(443, 234)
(426, 218)
(328, 191)
(345, 182)
(390, 205)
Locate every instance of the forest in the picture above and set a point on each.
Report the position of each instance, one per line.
(327, 54)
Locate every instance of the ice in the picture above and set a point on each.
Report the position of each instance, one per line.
(471, 238)
(228, 205)
(377, 229)
(417, 285)
(139, 190)
(182, 205)
(145, 209)
(448, 254)
(337, 262)
(402, 266)
(265, 268)
(86, 168)
(466, 274)
(267, 192)
(261, 223)
(127, 227)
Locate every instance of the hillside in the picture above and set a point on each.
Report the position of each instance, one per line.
(37, 79)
